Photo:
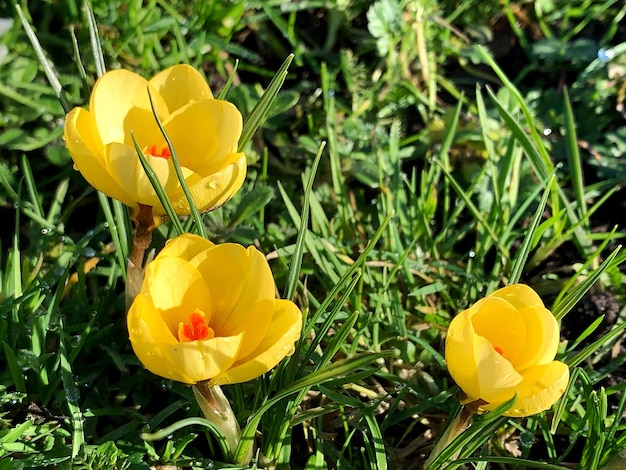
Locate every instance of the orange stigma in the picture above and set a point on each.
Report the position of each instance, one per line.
(152, 150)
(498, 350)
(196, 329)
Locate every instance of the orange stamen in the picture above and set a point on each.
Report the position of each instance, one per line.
(498, 350)
(196, 329)
(152, 150)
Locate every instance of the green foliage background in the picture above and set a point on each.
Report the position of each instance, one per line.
(419, 155)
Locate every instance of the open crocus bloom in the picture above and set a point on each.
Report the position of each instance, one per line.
(209, 312)
(204, 133)
(506, 344)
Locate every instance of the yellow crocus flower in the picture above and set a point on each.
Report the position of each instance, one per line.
(209, 312)
(505, 344)
(204, 133)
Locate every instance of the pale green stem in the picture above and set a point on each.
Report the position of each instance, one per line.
(216, 408)
(459, 424)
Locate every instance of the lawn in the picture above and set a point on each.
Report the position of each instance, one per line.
(407, 163)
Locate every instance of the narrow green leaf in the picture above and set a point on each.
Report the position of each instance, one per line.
(229, 82)
(573, 155)
(260, 110)
(48, 68)
(561, 308)
(522, 255)
(158, 189)
(94, 38)
(296, 260)
(179, 173)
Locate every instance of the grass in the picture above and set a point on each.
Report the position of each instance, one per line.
(407, 159)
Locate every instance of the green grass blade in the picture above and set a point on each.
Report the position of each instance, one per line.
(179, 173)
(43, 59)
(260, 110)
(94, 39)
(561, 308)
(229, 82)
(296, 260)
(158, 189)
(522, 255)
(575, 164)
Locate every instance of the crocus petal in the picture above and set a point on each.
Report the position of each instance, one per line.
(176, 289)
(186, 246)
(84, 147)
(151, 339)
(120, 104)
(503, 326)
(180, 85)
(519, 295)
(497, 378)
(460, 355)
(163, 355)
(242, 287)
(202, 360)
(541, 346)
(278, 343)
(214, 190)
(215, 126)
(542, 386)
(124, 165)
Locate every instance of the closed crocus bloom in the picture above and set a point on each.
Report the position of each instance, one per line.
(204, 133)
(209, 312)
(505, 344)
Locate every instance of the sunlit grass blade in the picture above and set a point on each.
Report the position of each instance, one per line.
(72, 394)
(179, 174)
(576, 359)
(158, 189)
(377, 442)
(94, 38)
(229, 82)
(475, 211)
(338, 369)
(184, 423)
(575, 164)
(296, 260)
(565, 304)
(583, 269)
(260, 110)
(43, 59)
(522, 254)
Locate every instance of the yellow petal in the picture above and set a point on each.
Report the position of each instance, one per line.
(124, 165)
(86, 151)
(283, 332)
(215, 126)
(163, 355)
(542, 341)
(213, 191)
(185, 246)
(151, 340)
(242, 290)
(180, 85)
(203, 360)
(176, 289)
(519, 295)
(503, 326)
(541, 388)
(119, 104)
(497, 378)
(459, 354)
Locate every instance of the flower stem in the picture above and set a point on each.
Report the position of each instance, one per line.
(141, 241)
(216, 408)
(459, 424)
